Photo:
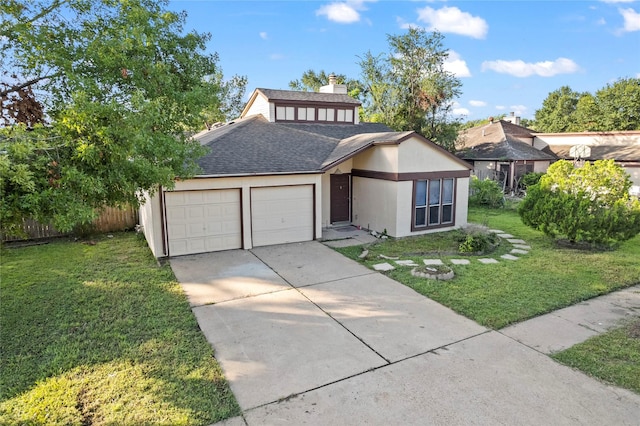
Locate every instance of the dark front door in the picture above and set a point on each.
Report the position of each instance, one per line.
(340, 198)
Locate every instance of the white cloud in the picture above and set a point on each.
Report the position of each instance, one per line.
(460, 111)
(631, 20)
(345, 12)
(477, 103)
(456, 65)
(453, 20)
(264, 35)
(520, 68)
(618, 1)
(501, 107)
(276, 56)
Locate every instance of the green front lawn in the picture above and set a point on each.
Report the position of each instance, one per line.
(613, 356)
(547, 278)
(100, 334)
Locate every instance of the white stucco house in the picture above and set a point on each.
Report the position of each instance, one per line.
(297, 162)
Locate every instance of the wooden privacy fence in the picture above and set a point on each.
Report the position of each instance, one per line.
(111, 219)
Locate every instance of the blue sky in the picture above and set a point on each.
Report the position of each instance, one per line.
(508, 54)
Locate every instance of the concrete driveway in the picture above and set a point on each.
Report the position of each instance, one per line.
(307, 336)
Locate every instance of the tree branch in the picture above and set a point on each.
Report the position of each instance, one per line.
(15, 88)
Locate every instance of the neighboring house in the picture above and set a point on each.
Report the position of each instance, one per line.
(622, 146)
(502, 151)
(297, 162)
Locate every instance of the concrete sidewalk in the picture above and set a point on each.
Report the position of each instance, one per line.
(307, 336)
(569, 326)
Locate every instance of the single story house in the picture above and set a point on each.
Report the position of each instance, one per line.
(502, 151)
(621, 146)
(297, 162)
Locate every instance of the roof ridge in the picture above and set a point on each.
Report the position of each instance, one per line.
(306, 132)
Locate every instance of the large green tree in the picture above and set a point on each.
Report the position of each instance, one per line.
(408, 88)
(119, 84)
(614, 107)
(558, 111)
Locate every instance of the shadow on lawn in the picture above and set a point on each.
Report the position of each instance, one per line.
(101, 330)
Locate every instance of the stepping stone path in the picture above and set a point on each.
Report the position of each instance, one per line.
(406, 263)
(520, 247)
(516, 241)
(383, 267)
(509, 257)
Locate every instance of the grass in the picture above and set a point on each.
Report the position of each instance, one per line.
(496, 295)
(613, 357)
(100, 334)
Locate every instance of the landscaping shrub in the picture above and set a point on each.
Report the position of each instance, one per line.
(588, 204)
(485, 192)
(474, 239)
(530, 179)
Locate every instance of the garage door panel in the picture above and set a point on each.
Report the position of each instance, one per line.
(202, 221)
(282, 214)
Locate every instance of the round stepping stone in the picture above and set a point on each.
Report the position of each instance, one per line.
(433, 262)
(460, 261)
(487, 261)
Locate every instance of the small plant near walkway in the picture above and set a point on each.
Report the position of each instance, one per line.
(496, 295)
(98, 333)
(613, 356)
(476, 239)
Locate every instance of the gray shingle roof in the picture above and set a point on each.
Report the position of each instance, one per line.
(255, 146)
(252, 145)
(296, 96)
(339, 131)
(602, 152)
(499, 141)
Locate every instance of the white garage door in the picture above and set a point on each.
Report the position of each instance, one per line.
(281, 214)
(203, 221)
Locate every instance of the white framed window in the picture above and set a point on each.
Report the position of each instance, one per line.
(291, 113)
(311, 114)
(331, 114)
(348, 116)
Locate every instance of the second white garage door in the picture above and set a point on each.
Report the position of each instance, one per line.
(281, 214)
(203, 221)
